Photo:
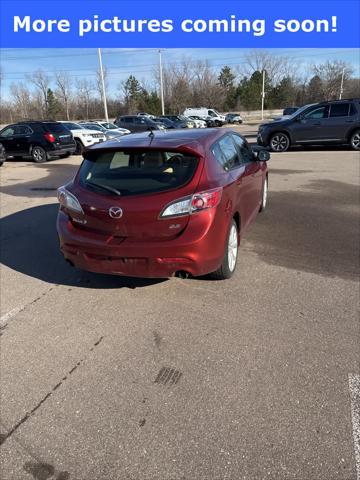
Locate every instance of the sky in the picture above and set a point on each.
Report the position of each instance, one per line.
(120, 63)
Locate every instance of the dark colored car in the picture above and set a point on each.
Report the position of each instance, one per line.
(290, 110)
(137, 123)
(39, 140)
(179, 121)
(153, 205)
(326, 123)
(2, 154)
(165, 121)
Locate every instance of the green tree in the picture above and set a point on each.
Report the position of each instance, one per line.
(149, 102)
(226, 80)
(315, 90)
(53, 106)
(132, 91)
(284, 94)
(249, 91)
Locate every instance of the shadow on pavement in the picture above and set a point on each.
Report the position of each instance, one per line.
(57, 175)
(314, 230)
(29, 244)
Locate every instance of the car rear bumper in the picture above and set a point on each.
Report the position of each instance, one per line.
(197, 253)
(64, 150)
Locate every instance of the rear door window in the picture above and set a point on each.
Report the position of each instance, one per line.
(339, 110)
(133, 172)
(229, 157)
(23, 130)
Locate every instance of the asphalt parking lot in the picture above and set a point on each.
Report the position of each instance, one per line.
(268, 377)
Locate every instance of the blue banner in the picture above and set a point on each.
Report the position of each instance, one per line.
(180, 23)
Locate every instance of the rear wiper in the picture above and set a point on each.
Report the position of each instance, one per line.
(104, 187)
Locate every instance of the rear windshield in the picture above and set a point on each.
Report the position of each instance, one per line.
(55, 127)
(135, 172)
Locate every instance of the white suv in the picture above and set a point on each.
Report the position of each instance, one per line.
(83, 136)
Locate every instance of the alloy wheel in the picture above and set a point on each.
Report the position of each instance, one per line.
(279, 142)
(355, 141)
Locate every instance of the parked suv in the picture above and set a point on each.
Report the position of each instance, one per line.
(333, 122)
(154, 205)
(84, 137)
(138, 123)
(39, 140)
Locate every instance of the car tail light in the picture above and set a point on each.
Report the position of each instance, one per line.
(49, 137)
(68, 200)
(193, 203)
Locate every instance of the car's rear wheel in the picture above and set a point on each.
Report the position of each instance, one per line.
(79, 147)
(279, 142)
(39, 155)
(264, 195)
(355, 140)
(228, 265)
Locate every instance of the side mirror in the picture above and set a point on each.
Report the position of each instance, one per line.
(263, 155)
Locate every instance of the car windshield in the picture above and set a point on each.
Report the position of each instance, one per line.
(109, 126)
(91, 126)
(72, 126)
(300, 110)
(135, 172)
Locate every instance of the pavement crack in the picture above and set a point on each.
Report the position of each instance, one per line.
(5, 436)
(4, 319)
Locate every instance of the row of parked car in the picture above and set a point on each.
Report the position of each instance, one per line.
(43, 140)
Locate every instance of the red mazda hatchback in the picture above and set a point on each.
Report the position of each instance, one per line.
(164, 203)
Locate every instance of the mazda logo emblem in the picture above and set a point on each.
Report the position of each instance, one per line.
(115, 212)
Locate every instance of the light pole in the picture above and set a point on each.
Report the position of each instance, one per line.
(103, 85)
(263, 95)
(342, 83)
(161, 85)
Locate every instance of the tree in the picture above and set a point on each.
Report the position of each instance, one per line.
(85, 89)
(63, 82)
(132, 90)
(226, 80)
(275, 66)
(53, 106)
(314, 90)
(99, 86)
(330, 74)
(22, 99)
(42, 83)
(249, 91)
(283, 94)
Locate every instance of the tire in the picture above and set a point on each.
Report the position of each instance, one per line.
(279, 142)
(228, 265)
(79, 147)
(218, 124)
(39, 155)
(355, 140)
(264, 195)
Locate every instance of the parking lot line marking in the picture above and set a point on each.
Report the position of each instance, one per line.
(354, 387)
(7, 316)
